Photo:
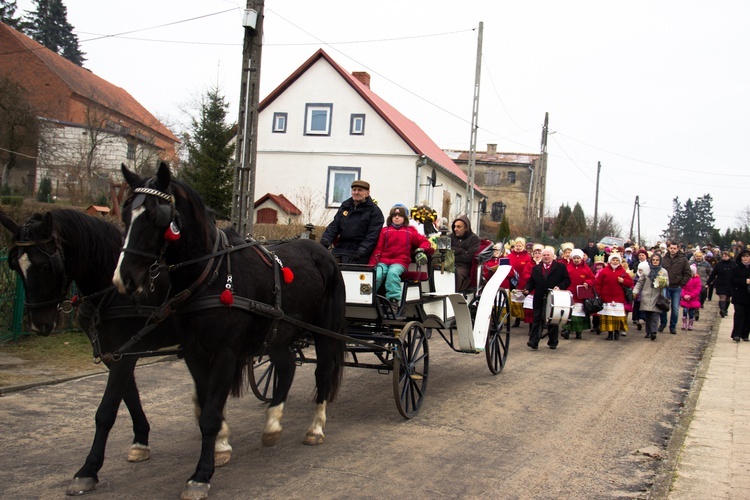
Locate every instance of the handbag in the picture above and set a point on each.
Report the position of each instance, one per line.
(628, 294)
(593, 305)
(662, 303)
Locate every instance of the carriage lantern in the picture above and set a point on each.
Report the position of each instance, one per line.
(443, 241)
(308, 233)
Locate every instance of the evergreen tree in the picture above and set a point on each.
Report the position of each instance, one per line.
(503, 230)
(7, 13)
(693, 222)
(49, 26)
(578, 222)
(210, 166)
(562, 221)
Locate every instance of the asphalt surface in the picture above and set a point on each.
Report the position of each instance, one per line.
(592, 419)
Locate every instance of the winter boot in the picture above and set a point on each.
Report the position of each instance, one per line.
(722, 308)
(697, 314)
(617, 334)
(610, 335)
(690, 324)
(517, 323)
(684, 322)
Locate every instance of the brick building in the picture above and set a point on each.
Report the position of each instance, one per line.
(88, 125)
(512, 183)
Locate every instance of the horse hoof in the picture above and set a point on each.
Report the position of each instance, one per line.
(314, 439)
(139, 453)
(222, 458)
(81, 485)
(271, 438)
(195, 491)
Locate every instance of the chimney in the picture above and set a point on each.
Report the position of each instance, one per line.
(491, 149)
(362, 76)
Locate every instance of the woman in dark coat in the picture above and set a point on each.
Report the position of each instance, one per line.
(741, 297)
(720, 280)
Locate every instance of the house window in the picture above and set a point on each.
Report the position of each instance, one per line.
(511, 177)
(318, 119)
(458, 206)
(498, 210)
(339, 184)
(130, 155)
(357, 125)
(492, 178)
(279, 123)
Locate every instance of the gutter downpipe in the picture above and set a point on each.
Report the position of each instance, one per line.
(531, 188)
(419, 179)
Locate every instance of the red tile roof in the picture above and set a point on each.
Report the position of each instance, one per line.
(409, 131)
(80, 81)
(286, 206)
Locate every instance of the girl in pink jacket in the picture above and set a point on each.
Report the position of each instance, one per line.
(392, 253)
(690, 299)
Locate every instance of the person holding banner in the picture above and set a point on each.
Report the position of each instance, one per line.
(545, 276)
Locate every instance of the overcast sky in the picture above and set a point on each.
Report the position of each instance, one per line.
(655, 91)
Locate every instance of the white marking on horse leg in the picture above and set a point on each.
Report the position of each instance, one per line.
(222, 448)
(272, 432)
(117, 278)
(139, 453)
(314, 433)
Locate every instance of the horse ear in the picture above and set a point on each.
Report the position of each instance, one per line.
(130, 177)
(8, 223)
(162, 177)
(48, 224)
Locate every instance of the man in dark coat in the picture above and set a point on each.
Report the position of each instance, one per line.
(355, 228)
(465, 244)
(548, 274)
(740, 280)
(678, 268)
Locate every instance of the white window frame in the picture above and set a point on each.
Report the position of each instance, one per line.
(313, 114)
(357, 124)
(280, 121)
(338, 185)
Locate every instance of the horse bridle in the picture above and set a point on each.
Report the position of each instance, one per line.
(165, 215)
(56, 261)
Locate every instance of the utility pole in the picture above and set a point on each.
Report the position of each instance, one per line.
(596, 198)
(243, 193)
(542, 176)
(474, 126)
(632, 219)
(638, 204)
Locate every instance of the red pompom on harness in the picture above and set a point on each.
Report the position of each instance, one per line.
(226, 297)
(288, 275)
(172, 233)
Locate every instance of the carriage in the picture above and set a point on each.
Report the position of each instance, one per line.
(397, 342)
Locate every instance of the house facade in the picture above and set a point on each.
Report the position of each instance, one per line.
(323, 128)
(88, 126)
(512, 182)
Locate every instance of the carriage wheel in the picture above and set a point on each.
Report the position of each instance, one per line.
(263, 378)
(410, 369)
(498, 336)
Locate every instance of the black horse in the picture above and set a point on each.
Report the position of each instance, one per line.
(49, 252)
(229, 301)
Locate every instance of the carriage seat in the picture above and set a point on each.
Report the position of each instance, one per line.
(413, 275)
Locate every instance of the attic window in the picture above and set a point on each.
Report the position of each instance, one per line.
(279, 123)
(318, 119)
(357, 124)
(511, 177)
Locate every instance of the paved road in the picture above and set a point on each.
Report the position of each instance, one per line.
(588, 420)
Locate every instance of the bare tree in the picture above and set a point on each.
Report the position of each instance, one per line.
(743, 217)
(19, 128)
(311, 206)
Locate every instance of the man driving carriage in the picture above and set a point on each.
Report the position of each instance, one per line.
(355, 228)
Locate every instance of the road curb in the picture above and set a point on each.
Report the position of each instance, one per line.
(668, 469)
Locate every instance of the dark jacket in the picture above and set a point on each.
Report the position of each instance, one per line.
(354, 230)
(465, 247)
(556, 277)
(740, 274)
(678, 269)
(721, 277)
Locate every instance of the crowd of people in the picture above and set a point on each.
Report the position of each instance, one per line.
(646, 285)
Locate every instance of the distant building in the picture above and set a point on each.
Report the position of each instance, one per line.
(89, 126)
(511, 182)
(276, 209)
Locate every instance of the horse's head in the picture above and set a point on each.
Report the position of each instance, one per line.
(150, 220)
(37, 256)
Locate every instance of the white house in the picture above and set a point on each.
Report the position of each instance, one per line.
(322, 128)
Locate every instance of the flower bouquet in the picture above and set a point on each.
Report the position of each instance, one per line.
(661, 282)
(423, 213)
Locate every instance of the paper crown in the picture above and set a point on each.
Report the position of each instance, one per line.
(599, 258)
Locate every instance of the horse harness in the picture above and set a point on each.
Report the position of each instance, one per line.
(56, 261)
